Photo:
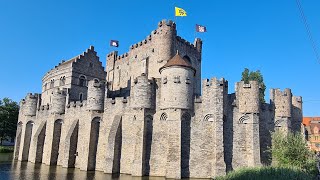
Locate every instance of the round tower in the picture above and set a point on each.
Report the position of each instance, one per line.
(30, 104)
(143, 92)
(177, 84)
(95, 95)
(58, 101)
(164, 36)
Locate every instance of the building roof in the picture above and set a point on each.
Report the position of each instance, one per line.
(177, 60)
(306, 120)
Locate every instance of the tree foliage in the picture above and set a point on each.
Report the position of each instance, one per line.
(9, 111)
(291, 150)
(248, 75)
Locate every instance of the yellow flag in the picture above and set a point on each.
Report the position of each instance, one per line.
(180, 12)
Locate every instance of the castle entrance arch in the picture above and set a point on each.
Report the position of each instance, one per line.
(93, 144)
(73, 145)
(56, 141)
(185, 144)
(18, 140)
(27, 140)
(40, 136)
(147, 142)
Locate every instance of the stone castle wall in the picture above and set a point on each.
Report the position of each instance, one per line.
(141, 121)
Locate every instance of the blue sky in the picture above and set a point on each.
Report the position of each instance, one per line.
(260, 35)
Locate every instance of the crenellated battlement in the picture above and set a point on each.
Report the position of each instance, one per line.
(214, 82)
(77, 104)
(247, 96)
(282, 101)
(32, 96)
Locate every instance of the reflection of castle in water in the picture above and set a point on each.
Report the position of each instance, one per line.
(38, 171)
(147, 115)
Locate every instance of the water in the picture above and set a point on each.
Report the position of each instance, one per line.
(16, 170)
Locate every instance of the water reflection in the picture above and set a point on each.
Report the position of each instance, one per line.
(17, 170)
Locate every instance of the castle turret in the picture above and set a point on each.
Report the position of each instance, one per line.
(30, 104)
(282, 102)
(214, 99)
(177, 84)
(246, 125)
(95, 95)
(58, 101)
(143, 92)
(165, 35)
(248, 97)
(296, 113)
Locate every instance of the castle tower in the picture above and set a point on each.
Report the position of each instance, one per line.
(208, 132)
(246, 125)
(165, 35)
(177, 84)
(282, 101)
(96, 94)
(58, 101)
(143, 93)
(296, 113)
(30, 104)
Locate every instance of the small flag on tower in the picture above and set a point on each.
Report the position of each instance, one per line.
(114, 43)
(180, 12)
(200, 28)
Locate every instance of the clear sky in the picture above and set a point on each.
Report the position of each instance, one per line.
(260, 35)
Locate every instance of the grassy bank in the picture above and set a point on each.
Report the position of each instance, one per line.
(267, 173)
(6, 149)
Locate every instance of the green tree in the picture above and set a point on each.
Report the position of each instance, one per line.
(290, 150)
(248, 75)
(9, 111)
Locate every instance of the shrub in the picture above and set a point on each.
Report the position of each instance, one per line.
(290, 150)
(6, 149)
(266, 173)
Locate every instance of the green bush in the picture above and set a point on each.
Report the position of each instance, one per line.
(290, 150)
(267, 173)
(6, 149)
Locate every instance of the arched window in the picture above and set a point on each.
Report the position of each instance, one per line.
(96, 80)
(163, 117)
(82, 81)
(52, 83)
(62, 81)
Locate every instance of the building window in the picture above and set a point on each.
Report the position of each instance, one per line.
(62, 81)
(176, 79)
(80, 96)
(52, 83)
(90, 65)
(82, 81)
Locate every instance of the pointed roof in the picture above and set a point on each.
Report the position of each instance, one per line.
(177, 60)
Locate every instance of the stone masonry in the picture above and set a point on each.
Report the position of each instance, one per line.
(149, 114)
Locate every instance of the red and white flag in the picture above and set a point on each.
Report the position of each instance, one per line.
(114, 43)
(200, 28)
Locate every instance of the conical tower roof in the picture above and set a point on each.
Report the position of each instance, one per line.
(177, 60)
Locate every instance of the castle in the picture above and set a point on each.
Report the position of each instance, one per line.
(149, 114)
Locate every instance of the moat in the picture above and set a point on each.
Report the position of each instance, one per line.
(12, 170)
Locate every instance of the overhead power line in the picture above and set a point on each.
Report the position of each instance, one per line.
(305, 22)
